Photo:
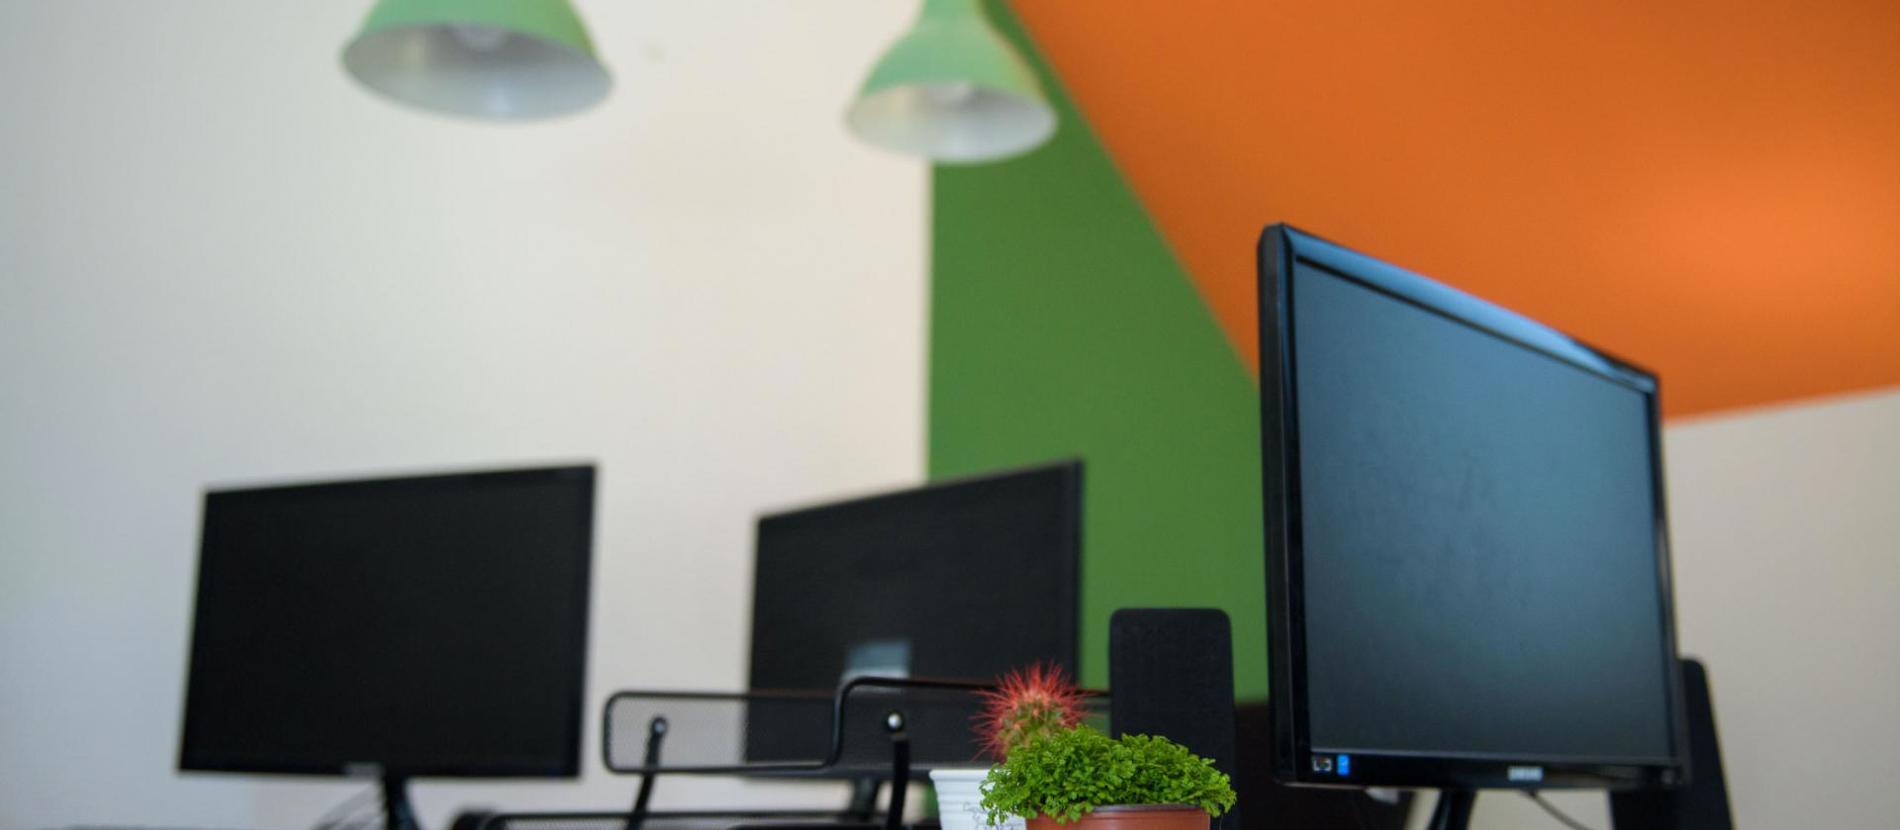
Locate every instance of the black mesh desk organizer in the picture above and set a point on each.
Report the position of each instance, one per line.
(863, 730)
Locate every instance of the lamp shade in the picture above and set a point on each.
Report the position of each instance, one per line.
(500, 59)
(953, 90)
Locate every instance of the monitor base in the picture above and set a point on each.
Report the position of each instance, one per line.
(1453, 811)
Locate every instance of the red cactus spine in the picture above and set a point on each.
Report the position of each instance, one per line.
(1027, 704)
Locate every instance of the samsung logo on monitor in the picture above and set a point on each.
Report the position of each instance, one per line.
(1526, 775)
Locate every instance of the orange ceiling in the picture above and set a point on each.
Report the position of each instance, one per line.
(1709, 189)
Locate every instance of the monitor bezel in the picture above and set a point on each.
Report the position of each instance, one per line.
(198, 759)
(1281, 249)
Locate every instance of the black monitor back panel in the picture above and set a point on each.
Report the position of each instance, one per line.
(429, 626)
(960, 580)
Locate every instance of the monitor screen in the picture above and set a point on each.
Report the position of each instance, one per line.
(962, 580)
(427, 626)
(1473, 532)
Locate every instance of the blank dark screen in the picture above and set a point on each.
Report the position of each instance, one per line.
(434, 624)
(969, 579)
(1479, 540)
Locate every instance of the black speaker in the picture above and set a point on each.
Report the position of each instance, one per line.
(1702, 803)
(1171, 673)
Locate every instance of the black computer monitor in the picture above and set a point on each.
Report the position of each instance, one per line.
(958, 580)
(429, 626)
(1468, 578)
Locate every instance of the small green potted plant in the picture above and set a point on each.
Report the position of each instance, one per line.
(1027, 704)
(1079, 775)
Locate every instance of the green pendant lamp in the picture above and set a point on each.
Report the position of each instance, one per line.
(954, 91)
(497, 59)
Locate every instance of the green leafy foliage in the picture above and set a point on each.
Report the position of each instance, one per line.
(1067, 774)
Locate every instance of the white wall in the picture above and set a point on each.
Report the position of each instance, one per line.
(1786, 543)
(221, 262)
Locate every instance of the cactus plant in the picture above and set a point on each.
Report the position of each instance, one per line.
(1026, 704)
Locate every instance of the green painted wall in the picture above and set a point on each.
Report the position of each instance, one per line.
(1062, 326)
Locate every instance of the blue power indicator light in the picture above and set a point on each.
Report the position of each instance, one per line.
(1345, 765)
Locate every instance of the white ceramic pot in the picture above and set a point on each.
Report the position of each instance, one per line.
(960, 801)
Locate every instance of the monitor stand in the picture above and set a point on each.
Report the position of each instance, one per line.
(1453, 811)
(397, 814)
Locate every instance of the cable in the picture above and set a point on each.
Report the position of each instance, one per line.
(348, 809)
(368, 817)
(1555, 813)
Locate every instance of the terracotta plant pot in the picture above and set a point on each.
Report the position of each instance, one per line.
(1132, 817)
